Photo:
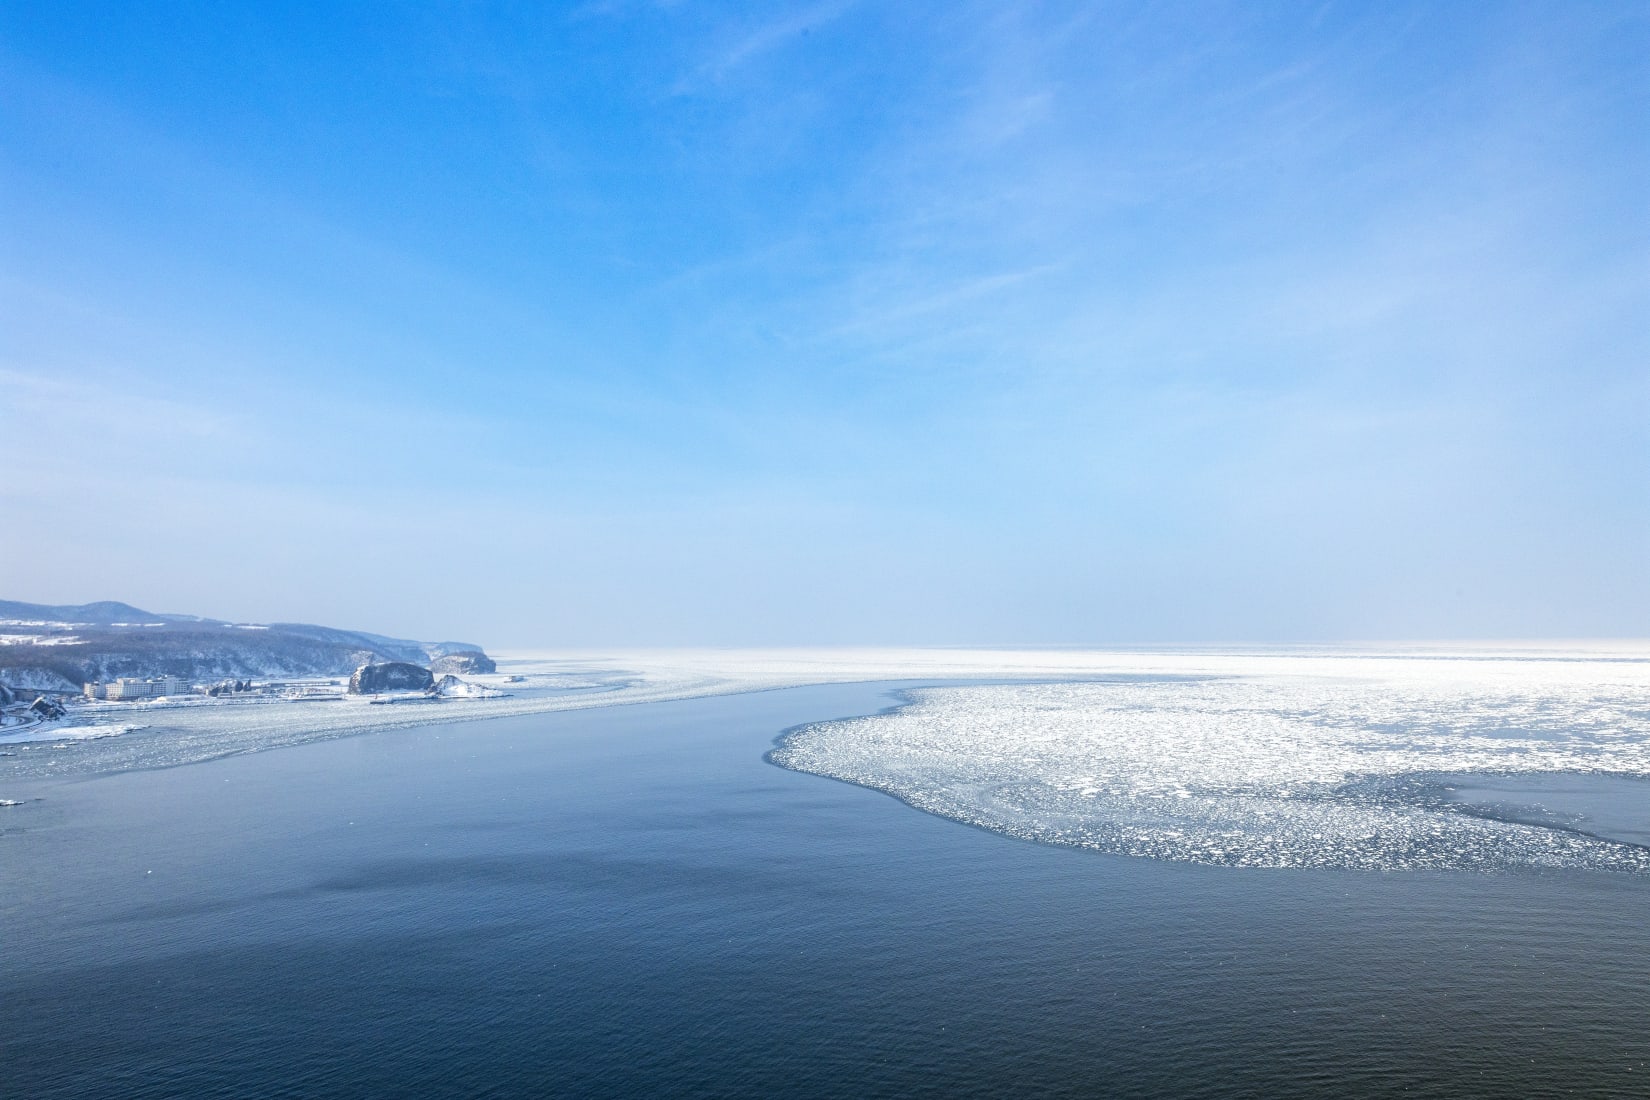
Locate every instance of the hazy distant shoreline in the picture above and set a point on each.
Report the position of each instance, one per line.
(554, 681)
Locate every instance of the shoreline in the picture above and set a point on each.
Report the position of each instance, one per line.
(149, 737)
(1483, 796)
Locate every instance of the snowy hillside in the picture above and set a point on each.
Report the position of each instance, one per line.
(60, 647)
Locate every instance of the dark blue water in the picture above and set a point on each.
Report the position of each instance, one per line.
(630, 902)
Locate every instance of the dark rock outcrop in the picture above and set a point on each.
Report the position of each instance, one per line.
(43, 707)
(392, 676)
(467, 663)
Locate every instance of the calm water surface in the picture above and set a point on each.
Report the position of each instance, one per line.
(630, 902)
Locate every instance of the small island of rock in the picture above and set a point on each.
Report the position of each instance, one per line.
(390, 676)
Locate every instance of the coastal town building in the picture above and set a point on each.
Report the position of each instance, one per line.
(127, 688)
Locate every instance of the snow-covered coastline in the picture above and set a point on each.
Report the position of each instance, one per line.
(117, 737)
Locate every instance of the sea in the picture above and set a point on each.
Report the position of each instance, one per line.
(661, 899)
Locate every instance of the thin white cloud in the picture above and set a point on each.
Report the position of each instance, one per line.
(754, 43)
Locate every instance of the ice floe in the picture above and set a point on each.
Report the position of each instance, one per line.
(1337, 767)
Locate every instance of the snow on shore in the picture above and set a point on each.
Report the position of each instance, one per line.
(547, 681)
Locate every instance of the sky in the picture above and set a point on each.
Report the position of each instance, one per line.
(831, 323)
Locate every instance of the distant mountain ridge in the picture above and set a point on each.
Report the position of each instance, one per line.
(59, 647)
(102, 613)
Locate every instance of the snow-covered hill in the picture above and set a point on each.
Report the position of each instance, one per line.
(59, 647)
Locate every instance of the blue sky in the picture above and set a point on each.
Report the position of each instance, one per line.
(958, 323)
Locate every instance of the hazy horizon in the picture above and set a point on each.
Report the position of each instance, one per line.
(1594, 646)
(830, 324)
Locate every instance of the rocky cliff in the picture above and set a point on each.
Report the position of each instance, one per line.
(465, 664)
(60, 647)
(392, 676)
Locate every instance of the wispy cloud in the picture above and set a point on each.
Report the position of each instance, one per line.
(741, 45)
(1019, 276)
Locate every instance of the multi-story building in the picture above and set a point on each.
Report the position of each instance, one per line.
(127, 688)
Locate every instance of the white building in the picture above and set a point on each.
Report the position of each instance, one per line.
(127, 688)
